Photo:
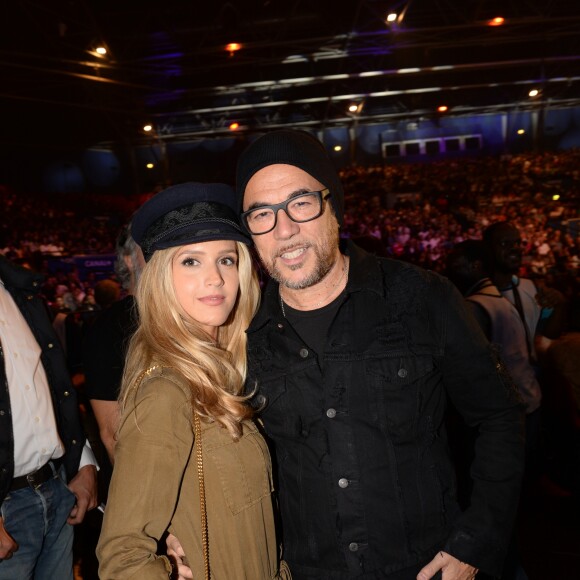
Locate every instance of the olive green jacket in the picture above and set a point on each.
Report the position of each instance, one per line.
(155, 488)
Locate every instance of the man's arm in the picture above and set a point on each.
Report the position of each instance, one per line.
(484, 394)
(107, 416)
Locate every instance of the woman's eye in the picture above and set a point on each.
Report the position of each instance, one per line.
(228, 261)
(189, 262)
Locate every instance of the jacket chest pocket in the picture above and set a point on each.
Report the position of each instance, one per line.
(396, 390)
(244, 469)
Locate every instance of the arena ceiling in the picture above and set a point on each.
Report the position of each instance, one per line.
(301, 63)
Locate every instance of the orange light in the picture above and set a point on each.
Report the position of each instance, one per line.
(442, 108)
(497, 21)
(234, 126)
(148, 128)
(101, 50)
(233, 47)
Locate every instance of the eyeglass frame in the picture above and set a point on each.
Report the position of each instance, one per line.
(321, 195)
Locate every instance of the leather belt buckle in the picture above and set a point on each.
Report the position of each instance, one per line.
(36, 479)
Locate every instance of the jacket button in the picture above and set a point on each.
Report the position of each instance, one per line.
(303, 352)
(331, 413)
(353, 546)
(2, 413)
(50, 345)
(30, 297)
(402, 373)
(66, 393)
(74, 441)
(343, 482)
(280, 326)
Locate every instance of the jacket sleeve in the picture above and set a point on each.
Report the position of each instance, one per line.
(482, 391)
(155, 442)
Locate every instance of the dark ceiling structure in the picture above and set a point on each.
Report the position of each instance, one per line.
(301, 63)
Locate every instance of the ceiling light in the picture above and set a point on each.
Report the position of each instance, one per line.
(442, 108)
(148, 128)
(233, 47)
(497, 21)
(392, 17)
(338, 148)
(521, 131)
(150, 166)
(234, 126)
(534, 93)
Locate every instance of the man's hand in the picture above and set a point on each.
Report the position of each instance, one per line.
(549, 297)
(176, 553)
(451, 568)
(84, 486)
(7, 544)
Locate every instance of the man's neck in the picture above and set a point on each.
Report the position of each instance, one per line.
(502, 279)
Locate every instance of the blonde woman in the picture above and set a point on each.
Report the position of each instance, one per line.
(185, 368)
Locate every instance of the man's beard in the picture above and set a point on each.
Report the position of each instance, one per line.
(325, 254)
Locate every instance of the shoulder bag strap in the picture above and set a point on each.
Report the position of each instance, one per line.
(199, 461)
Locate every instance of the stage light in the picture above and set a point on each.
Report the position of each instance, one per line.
(234, 126)
(534, 93)
(101, 50)
(497, 21)
(150, 166)
(556, 197)
(442, 108)
(148, 128)
(521, 131)
(233, 47)
(353, 108)
(392, 17)
(338, 148)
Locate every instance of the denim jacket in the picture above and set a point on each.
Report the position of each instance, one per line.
(365, 477)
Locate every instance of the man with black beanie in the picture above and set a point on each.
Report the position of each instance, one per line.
(352, 359)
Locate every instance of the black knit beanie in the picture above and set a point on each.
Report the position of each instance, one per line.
(290, 147)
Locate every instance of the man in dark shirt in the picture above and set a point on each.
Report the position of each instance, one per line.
(353, 358)
(106, 342)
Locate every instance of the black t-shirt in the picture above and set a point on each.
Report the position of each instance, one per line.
(105, 347)
(312, 325)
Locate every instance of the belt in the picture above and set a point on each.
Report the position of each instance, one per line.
(38, 477)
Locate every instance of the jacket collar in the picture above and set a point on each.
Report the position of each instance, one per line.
(15, 276)
(364, 274)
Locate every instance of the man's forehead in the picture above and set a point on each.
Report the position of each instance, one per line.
(279, 180)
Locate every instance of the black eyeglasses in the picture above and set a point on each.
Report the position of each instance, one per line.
(301, 208)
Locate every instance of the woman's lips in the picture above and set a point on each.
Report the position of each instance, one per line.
(214, 300)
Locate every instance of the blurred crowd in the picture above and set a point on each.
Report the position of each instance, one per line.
(415, 212)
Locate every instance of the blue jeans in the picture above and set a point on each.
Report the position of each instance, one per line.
(36, 519)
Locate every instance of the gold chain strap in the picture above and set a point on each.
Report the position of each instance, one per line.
(199, 460)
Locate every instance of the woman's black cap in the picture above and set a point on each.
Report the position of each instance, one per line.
(188, 213)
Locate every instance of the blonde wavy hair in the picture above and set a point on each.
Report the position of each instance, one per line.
(166, 336)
